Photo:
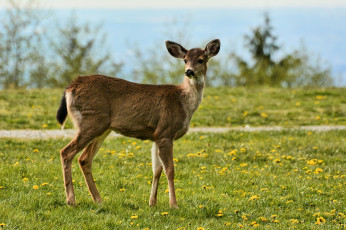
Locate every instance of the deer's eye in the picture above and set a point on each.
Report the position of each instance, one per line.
(185, 61)
(200, 61)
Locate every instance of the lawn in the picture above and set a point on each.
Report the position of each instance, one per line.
(269, 180)
(36, 109)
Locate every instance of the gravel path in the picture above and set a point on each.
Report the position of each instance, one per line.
(69, 133)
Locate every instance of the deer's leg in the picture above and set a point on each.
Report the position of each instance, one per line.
(66, 155)
(157, 169)
(165, 146)
(85, 162)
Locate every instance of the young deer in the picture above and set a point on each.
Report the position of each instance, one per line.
(160, 113)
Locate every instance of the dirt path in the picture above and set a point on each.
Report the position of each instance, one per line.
(69, 133)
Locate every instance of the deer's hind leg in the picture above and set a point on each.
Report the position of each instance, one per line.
(85, 162)
(66, 155)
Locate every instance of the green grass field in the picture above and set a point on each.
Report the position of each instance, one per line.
(269, 180)
(36, 109)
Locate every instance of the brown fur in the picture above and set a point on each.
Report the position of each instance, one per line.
(161, 113)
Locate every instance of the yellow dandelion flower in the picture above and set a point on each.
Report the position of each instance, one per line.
(298, 103)
(164, 213)
(122, 190)
(44, 125)
(35, 187)
(294, 221)
(43, 184)
(35, 150)
(134, 216)
(240, 226)
(227, 223)
(201, 206)
(274, 216)
(254, 197)
(245, 113)
(264, 115)
(320, 220)
(2, 224)
(201, 137)
(318, 118)
(25, 180)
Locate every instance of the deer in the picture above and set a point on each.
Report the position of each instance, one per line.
(100, 104)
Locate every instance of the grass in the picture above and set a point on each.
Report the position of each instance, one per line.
(36, 109)
(270, 180)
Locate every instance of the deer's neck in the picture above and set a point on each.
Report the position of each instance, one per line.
(193, 92)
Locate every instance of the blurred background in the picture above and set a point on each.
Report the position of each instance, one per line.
(280, 43)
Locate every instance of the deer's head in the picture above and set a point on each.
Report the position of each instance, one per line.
(195, 59)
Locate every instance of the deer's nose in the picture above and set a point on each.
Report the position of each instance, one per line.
(189, 73)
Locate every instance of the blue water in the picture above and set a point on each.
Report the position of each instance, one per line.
(322, 31)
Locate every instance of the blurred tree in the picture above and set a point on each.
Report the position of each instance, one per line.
(295, 69)
(80, 50)
(17, 39)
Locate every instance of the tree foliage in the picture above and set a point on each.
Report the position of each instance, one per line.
(293, 69)
(17, 41)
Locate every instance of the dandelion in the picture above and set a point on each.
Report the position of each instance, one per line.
(164, 213)
(35, 150)
(298, 103)
(240, 226)
(43, 184)
(264, 115)
(227, 223)
(294, 221)
(44, 125)
(254, 197)
(315, 147)
(201, 137)
(276, 161)
(318, 118)
(312, 162)
(320, 220)
(134, 216)
(35, 187)
(318, 170)
(220, 213)
(245, 113)
(243, 150)
(243, 164)
(236, 211)
(25, 180)
(274, 216)
(122, 190)
(2, 224)
(201, 206)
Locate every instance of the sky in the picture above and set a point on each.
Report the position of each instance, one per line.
(183, 4)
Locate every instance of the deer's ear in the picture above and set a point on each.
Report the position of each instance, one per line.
(212, 48)
(176, 50)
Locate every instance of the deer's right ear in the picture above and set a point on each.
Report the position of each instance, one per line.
(176, 50)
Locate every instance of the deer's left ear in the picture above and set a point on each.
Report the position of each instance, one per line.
(212, 48)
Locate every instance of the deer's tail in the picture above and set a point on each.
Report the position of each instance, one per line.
(61, 114)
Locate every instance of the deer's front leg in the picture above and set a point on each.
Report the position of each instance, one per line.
(165, 146)
(157, 169)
